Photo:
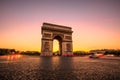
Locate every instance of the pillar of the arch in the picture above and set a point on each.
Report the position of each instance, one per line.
(67, 48)
(46, 48)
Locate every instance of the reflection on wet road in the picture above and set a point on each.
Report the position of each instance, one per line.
(19, 67)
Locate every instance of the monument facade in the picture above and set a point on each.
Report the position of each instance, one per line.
(62, 33)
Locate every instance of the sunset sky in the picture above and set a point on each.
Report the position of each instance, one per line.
(96, 23)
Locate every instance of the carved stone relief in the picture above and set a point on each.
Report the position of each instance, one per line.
(68, 46)
(46, 46)
(47, 35)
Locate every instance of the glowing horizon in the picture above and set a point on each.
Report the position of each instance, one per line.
(95, 24)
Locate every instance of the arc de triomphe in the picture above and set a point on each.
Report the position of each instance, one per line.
(62, 33)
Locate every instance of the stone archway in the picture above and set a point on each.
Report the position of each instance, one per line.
(57, 37)
(62, 33)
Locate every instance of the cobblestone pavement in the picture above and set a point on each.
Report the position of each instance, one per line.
(59, 68)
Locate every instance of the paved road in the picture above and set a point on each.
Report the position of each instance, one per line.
(59, 68)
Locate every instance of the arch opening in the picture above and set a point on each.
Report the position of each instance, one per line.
(57, 46)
